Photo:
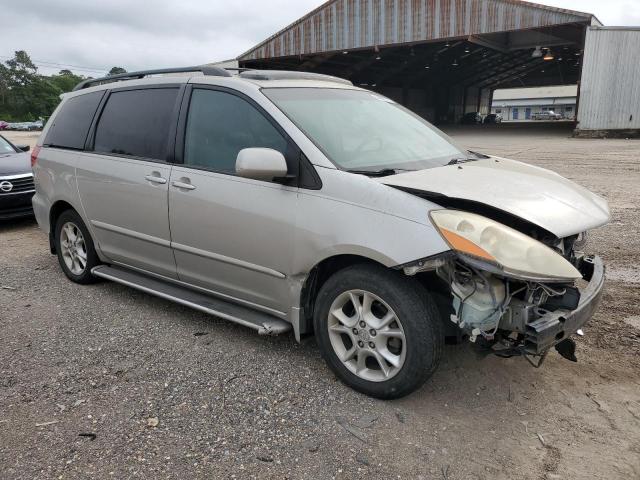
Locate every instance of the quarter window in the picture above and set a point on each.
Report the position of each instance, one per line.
(71, 124)
(137, 123)
(219, 125)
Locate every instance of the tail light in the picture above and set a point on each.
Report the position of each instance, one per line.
(34, 155)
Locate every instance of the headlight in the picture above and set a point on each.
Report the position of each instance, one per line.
(512, 252)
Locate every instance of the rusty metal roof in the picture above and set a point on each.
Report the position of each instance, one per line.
(353, 24)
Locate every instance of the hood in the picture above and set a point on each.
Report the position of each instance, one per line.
(14, 163)
(534, 194)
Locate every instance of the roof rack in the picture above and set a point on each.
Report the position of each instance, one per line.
(205, 70)
(290, 75)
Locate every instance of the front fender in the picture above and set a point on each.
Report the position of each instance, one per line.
(355, 215)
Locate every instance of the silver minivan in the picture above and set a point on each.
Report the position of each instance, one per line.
(287, 201)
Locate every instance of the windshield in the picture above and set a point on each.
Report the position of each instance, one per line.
(5, 147)
(360, 130)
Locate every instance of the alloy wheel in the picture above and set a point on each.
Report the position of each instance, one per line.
(73, 248)
(366, 335)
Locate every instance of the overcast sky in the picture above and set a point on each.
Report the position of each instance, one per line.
(89, 36)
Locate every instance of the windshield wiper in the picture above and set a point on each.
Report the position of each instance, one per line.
(458, 161)
(385, 172)
(479, 155)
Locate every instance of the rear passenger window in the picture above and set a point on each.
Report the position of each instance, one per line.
(137, 123)
(71, 124)
(219, 125)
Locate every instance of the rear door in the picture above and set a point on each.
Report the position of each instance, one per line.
(124, 182)
(231, 235)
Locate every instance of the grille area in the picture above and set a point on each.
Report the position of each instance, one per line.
(19, 184)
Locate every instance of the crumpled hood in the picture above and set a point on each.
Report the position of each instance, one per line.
(539, 196)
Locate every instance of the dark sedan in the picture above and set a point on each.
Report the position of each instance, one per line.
(16, 180)
(493, 118)
(471, 118)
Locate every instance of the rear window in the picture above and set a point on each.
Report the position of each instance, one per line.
(137, 123)
(71, 124)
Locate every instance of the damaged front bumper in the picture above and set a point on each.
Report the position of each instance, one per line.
(555, 327)
(519, 316)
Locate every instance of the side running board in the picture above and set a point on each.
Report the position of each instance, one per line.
(264, 323)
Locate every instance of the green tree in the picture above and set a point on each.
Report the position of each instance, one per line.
(17, 78)
(65, 80)
(21, 68)
(4, 87)
(26, 95)
(116, 71)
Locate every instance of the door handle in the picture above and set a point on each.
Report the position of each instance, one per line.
(155, 179)
(183, 185)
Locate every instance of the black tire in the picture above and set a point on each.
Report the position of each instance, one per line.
(85, 277)
(414, 308)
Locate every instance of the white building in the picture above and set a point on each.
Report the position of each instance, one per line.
(520, 104)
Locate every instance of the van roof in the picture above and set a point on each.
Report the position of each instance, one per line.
(260, 77)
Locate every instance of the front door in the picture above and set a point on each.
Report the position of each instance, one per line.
(515, 114)
(527, 113)
(124, 183)
(231, 235)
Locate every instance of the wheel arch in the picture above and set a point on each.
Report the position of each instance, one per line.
(55, 211)
(316, 278)
(328, 266)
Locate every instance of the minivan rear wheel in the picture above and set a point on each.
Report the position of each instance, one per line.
(74, 246)
(378, 330)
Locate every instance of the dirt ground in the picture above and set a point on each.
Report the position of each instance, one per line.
(106, 382)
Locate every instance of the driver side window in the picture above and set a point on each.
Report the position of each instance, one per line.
(221, 124)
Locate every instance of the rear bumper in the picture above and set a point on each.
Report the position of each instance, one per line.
(554, 327)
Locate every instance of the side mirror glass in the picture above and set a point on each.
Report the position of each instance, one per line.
(261, 164)
(23, 148)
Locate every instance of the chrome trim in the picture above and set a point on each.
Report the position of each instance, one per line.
(17, 177)
(229, 260)
(204, 290)
(2, 194)
(130, 233)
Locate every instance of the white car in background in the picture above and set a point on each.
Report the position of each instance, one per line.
(548, 115)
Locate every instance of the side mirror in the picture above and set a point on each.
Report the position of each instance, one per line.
(261, 164)
(23, 148)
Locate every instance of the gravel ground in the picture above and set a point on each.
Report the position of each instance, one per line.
(106, 382)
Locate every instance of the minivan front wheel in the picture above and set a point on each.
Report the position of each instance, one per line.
(378, 330)
(370, 340)
(74, 246)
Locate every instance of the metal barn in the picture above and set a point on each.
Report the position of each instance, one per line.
(610, 87)
(441, 58)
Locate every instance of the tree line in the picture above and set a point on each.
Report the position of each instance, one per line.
(25, 95)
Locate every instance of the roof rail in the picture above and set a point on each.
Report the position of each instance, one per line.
(206, 70)
(290, 75)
